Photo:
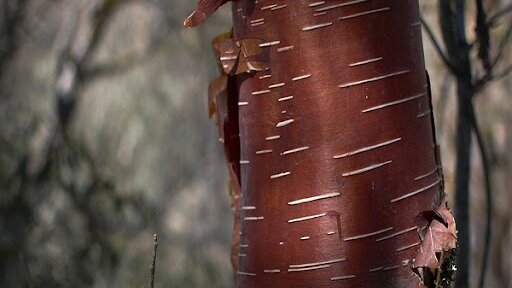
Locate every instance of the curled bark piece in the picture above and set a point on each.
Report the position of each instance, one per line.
(223, 103)
(216, 93)
(234, 58)
(328, 132)
(437, 231)
(243, 56)
(204, 9)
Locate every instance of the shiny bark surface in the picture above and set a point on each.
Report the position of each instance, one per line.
(356, 136)
(339, 173)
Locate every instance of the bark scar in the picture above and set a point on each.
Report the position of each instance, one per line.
(333, 213)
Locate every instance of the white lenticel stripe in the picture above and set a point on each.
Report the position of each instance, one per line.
(334, 6)
(314, 198)
(345, 277)
(295, 150)
(317, 263)
(306, 218)
(284, 123)
(313, 27)
(416, 192)
(301, 77)
(377, 78)
(279, 175)
(368, 234)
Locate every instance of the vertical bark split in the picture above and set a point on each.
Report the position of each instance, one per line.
(336, 151)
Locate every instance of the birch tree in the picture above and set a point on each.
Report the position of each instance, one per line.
(324, 110)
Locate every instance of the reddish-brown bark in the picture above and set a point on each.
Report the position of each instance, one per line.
(336, 159)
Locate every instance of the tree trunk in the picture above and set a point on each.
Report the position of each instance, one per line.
(452, 21)
(339, 172)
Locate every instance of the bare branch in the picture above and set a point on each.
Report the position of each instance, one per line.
(488, 193)
(152, 268)
(451, 18)
(101, 19)
(502, 46)
(121, 65)
(438, 48)
(491, 75)
(482, 32)
(115, 68)
(506, 72)
(480, 84)
(71, 67)
(460, 20)
(494, 18)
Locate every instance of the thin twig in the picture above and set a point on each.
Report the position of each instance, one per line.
(451, 18)
(121, 65)
(503, 74)
(479, 85)
(499, 14)
(502, 46)
(488, 193)
(490, 75)
(482, 32)
(460, 20)
(438, 48)
(71, 65)
(152, 268)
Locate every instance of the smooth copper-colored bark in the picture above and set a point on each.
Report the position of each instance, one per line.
(339, 172)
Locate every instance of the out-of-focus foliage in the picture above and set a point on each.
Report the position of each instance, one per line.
(104, 143)
(105, 140)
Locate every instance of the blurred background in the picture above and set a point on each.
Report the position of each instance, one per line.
(105, 140)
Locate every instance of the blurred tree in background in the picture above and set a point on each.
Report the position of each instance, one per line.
(475, 61)
(105, 140)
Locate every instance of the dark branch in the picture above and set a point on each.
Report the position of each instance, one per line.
(152, 268)
(101, 19)
(121, 65)
(506, 72)
(502, 46)
(460, 20)
(488, 194)
(482, 32)
(480, 84)
(438, 48)
(451, 19)
(491, 75)
(494, 18)
(71, 67)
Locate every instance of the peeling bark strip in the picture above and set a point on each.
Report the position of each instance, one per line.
(323, 99)
(204, 9)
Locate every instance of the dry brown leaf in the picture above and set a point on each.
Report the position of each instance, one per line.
(438, 237)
